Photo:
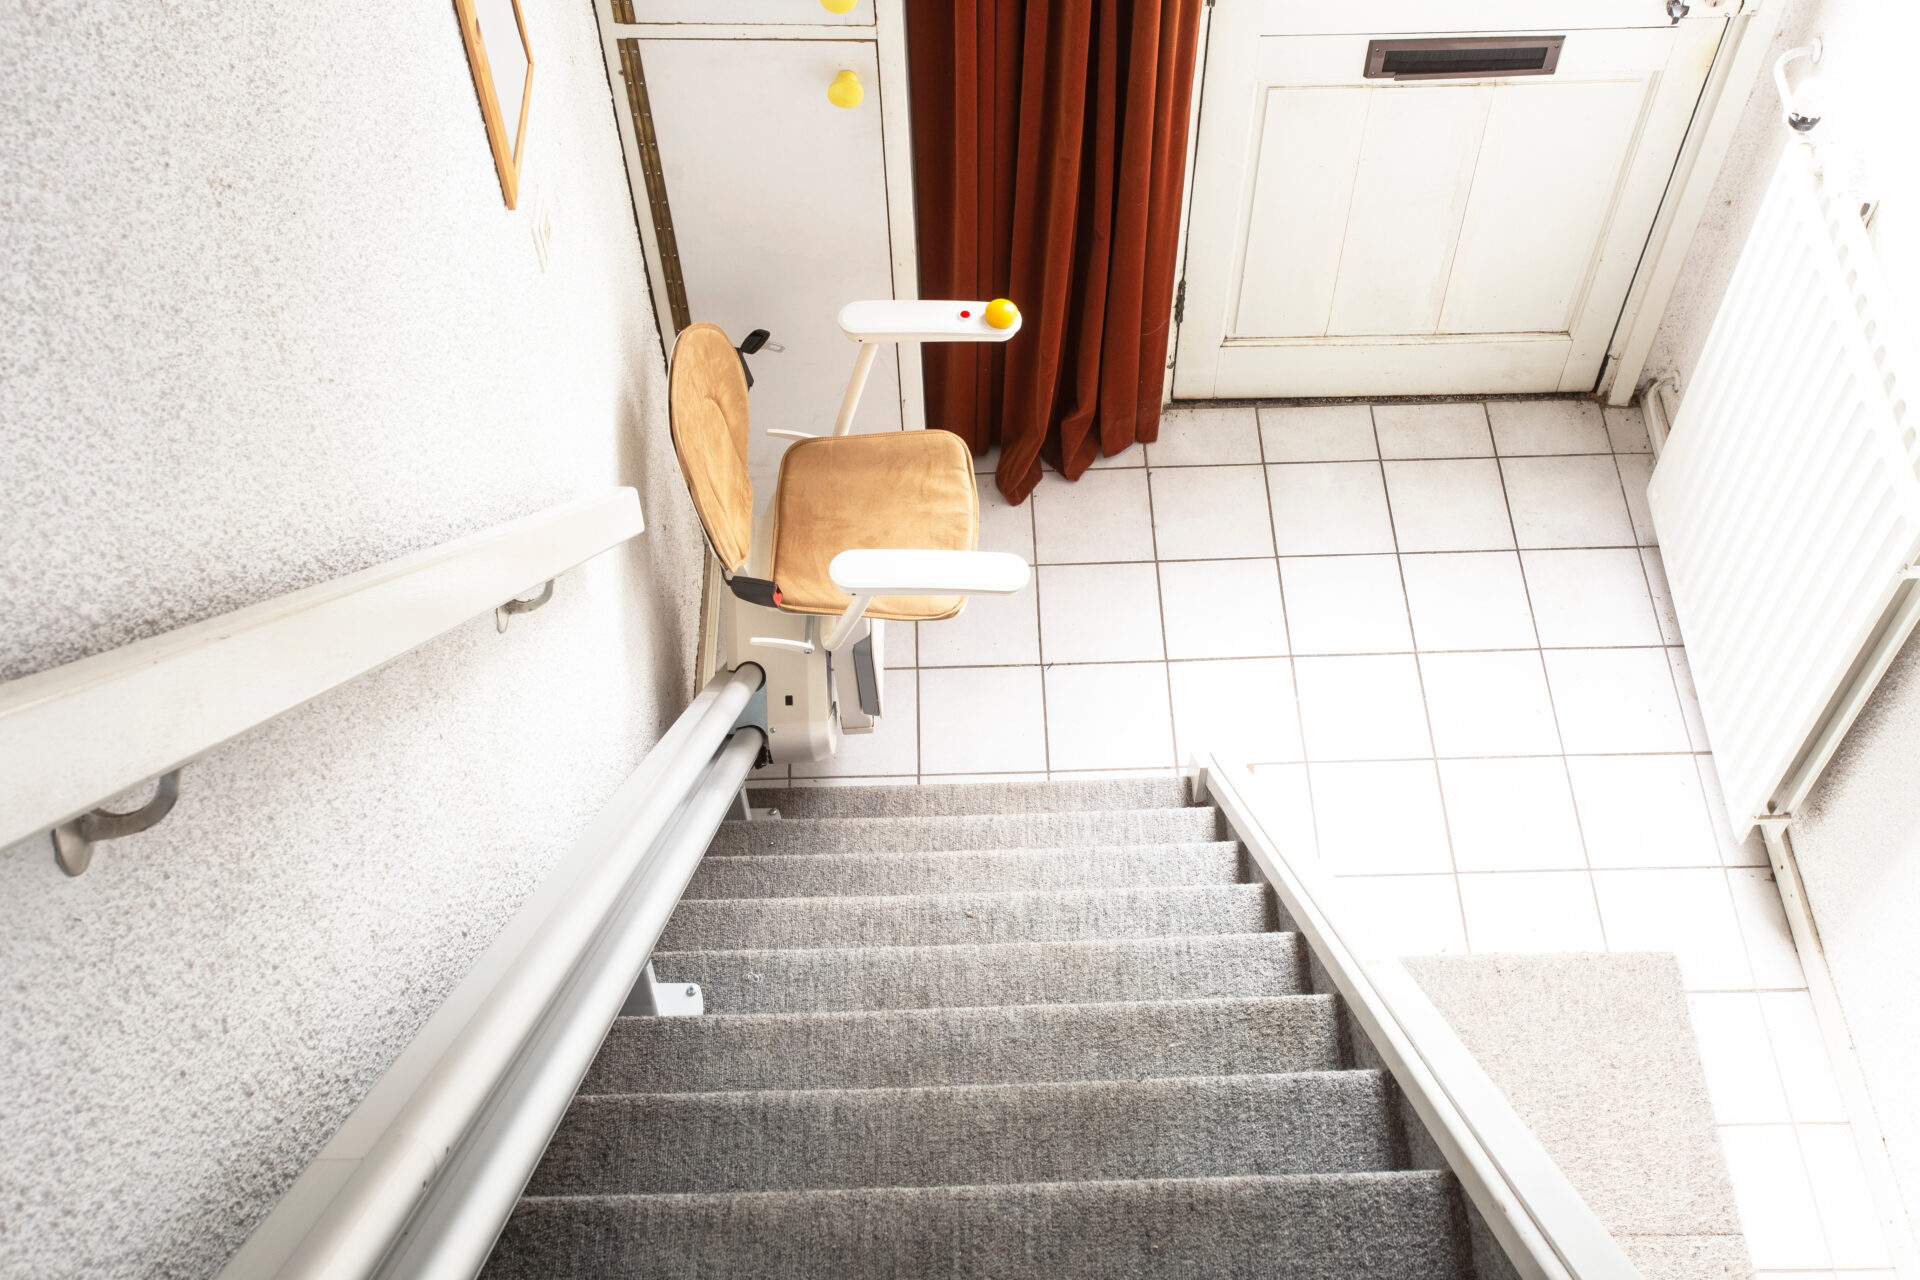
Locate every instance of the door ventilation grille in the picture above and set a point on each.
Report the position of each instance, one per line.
(1463, 59)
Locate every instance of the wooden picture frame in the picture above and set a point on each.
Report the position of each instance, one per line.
(509, 51)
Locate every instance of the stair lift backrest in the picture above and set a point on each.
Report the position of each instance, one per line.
(707, 407)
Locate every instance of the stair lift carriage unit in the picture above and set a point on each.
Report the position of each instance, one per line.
(861, 527)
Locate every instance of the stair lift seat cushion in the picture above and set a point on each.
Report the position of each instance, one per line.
(911, 490)
(707, 405)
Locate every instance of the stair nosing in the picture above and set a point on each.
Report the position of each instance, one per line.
(917, 1011)
(693, 1097)
(1073, 890)
(1106, 850)
(958, 946)
(939, 1188)
(742, 823)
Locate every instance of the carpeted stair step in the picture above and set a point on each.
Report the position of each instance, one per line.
(973, 797)
(1016, 1031)
(973, 1135)
(879, 874)
(1009, 1044)
(1350, 1226)
(969, 831)
(801, 980)
(948, 919)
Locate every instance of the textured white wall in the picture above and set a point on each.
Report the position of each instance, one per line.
(265, 320)
(1871, 124)
(1858, 842)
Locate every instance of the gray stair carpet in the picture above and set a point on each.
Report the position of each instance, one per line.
(795, 980)
(1000, 1030)
(1117, 1040)
(886, 874)
(969, 831)
(973, 797)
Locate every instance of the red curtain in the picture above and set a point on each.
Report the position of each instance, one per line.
(1050, 142)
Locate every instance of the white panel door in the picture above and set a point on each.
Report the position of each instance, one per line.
(1355, 235)
(779, 203)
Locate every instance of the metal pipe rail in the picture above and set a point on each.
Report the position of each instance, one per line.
(1546, 1229)
(77, 735)
(423, 1174)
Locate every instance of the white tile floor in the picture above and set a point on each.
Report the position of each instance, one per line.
(1441, 635)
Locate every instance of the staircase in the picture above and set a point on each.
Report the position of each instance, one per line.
(1037, 1030)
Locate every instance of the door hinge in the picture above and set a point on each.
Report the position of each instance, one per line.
(1180, 303)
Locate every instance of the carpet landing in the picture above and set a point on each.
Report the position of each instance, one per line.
(1597, 1054)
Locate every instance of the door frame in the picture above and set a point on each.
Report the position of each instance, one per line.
(888, 33)
(1751, 26)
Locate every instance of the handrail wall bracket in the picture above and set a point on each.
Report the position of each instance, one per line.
(73, 841)
(504, 613)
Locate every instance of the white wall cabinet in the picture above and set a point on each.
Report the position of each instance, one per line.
(782, 206)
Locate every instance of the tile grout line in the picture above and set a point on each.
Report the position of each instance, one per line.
(1160, 605)
(1640, 554)
(1420, 677)
(1413, 457)
(1546, 678)
(1286, 626)
(1282, 760)
(1039, 633)
(1690, 749)
(1347, 555)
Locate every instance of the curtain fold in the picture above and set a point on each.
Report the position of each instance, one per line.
(1049, 152)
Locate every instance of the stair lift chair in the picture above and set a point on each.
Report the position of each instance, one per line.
(861, 528)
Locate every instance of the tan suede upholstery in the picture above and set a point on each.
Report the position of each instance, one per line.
(707, 405)
(901, 489)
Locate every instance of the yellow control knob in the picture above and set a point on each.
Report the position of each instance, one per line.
(838, 6)
(845, 91)
(1001, 314)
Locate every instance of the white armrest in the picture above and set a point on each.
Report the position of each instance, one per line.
(866, 574)
(928, 573)
(893, 320)
(889, 320)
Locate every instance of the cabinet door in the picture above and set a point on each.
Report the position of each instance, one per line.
(779, 203)
(796, 13)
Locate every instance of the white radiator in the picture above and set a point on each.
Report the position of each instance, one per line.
(1787, 499)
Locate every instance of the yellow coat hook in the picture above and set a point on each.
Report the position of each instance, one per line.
(845, 91)
(838, 6)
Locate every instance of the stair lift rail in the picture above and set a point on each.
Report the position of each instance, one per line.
(1540, 1221)
(75, 736)
(424, 1173)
